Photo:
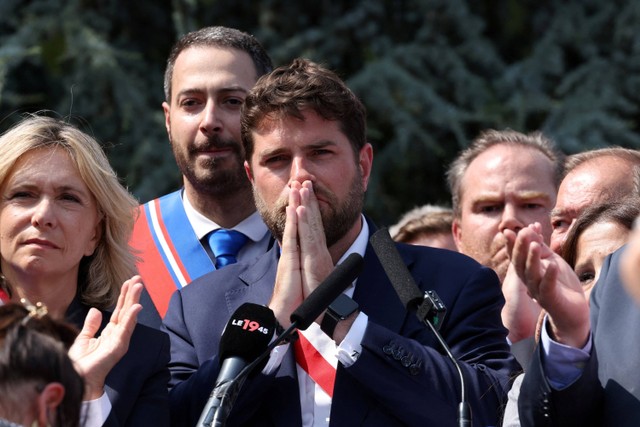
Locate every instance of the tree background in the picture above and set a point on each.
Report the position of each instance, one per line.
(432, 74)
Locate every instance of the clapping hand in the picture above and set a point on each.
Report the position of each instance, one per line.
(94, 356)
(520, 312)
(552, 283)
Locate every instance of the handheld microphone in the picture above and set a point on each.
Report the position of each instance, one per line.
(244, 338)
(335, 283)
(427, 306)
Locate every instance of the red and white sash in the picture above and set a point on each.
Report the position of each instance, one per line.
(316, 354)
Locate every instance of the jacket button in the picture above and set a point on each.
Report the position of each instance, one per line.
(415, 368)
(398, 354)
(406, 361)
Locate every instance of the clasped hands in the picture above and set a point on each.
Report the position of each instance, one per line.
(305, 260)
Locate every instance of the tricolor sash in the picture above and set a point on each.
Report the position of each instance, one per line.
(170, 253)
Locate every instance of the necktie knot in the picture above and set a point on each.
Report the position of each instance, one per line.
(225, 245)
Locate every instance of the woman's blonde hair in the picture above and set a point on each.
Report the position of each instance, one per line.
(101, 275)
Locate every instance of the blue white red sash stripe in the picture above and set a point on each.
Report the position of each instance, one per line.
(171, 254)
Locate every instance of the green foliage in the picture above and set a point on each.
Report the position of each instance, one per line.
(432, 73)
(100, 65)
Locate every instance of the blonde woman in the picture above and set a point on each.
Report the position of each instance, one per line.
(65, 223)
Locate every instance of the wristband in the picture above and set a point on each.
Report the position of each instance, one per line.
(341, 308)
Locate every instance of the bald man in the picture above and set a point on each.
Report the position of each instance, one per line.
(593, 177)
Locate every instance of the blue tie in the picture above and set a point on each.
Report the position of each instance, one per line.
(225, 245)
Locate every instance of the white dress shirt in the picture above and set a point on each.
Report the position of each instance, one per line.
(253, 227)
(314, 402)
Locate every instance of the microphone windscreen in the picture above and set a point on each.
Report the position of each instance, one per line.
(406, 288)
(248, 332)
(339, 279)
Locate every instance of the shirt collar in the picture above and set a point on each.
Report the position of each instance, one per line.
(359, 245)
(253, 227)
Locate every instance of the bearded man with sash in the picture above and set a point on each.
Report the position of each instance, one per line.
(366, 361)
(208, 74)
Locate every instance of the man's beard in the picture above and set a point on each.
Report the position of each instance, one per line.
(337, 218)
(209, 177)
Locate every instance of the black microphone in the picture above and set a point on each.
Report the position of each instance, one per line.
(335, 283)
(427, 306)
(246, 335)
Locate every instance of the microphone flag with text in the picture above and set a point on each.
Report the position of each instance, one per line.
(245, 337)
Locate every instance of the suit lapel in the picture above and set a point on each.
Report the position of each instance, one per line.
(77, 312)
(256, 282)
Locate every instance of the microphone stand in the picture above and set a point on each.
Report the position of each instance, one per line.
(431, 311)
(427, 306)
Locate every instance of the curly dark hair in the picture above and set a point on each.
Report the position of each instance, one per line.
(303, 85)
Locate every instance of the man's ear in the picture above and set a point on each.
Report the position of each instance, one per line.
(48, 401)
(365, 162)
(167, 117)
(456, 231)
(247, 169)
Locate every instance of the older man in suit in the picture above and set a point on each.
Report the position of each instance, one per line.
(584, 372)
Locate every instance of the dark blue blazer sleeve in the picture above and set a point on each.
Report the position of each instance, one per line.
(191, 380)
(137, 385)
(579, 404)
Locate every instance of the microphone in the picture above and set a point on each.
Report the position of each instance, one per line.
(301, 318)
(246, 335)
(427, 306)
(335, 283)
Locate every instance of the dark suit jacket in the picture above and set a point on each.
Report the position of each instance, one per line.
(137, 384)
(608, 392)
(401, 377)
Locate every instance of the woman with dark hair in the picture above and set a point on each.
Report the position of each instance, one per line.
(38, 383)
(598, 232)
